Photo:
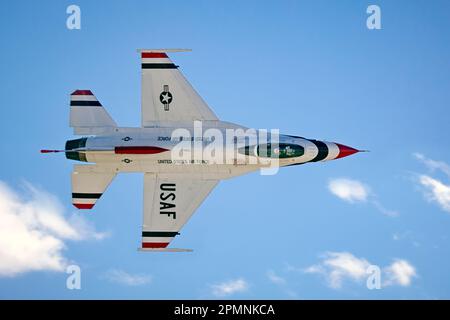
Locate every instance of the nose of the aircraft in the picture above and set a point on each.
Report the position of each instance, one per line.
(345, 151)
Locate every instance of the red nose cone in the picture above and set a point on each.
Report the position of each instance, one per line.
(345, 151)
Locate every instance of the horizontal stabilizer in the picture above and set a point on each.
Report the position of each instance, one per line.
(87, 115)
(88, 185)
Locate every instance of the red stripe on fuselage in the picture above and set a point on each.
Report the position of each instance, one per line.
(139, 150)
(154, 55)
(154, 244)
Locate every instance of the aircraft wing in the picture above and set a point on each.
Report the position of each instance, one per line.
(169, 202)
(166, 94)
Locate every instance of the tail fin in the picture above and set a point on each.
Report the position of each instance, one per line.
(87, 115)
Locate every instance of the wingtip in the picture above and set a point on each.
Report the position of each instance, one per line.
(164, 50)
(83, 206)
(164, 250)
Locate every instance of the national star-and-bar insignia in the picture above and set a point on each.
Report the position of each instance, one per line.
(166, 97)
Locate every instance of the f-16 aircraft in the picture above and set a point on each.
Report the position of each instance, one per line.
(180, 167)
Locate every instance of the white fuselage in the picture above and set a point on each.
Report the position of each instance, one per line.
(219, 149)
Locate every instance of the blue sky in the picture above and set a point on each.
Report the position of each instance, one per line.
(310, 68)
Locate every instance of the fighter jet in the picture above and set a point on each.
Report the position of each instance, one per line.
(182, 148)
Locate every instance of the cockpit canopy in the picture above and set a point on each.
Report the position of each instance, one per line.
(269, 150)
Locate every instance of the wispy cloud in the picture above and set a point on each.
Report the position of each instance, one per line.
(128, 279)
(229, 288)
(274, 278)
(282, 283)
(33, 231)
(406, 235)
(434, 189)
(337, 267)
(433, 164)
(354, 191)
(382, 209)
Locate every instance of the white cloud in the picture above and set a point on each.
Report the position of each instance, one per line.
(400, 272)
(274, 278)
(337, 267)
(436, 191)
(33, 231)
(228, 288)
(85, 229)
(353, 191)
(125, 278)
(433, 164)
(349, 190)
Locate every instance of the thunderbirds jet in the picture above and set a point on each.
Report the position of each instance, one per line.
(181, 147)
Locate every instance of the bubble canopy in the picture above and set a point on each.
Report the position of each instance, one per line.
(269, 150)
